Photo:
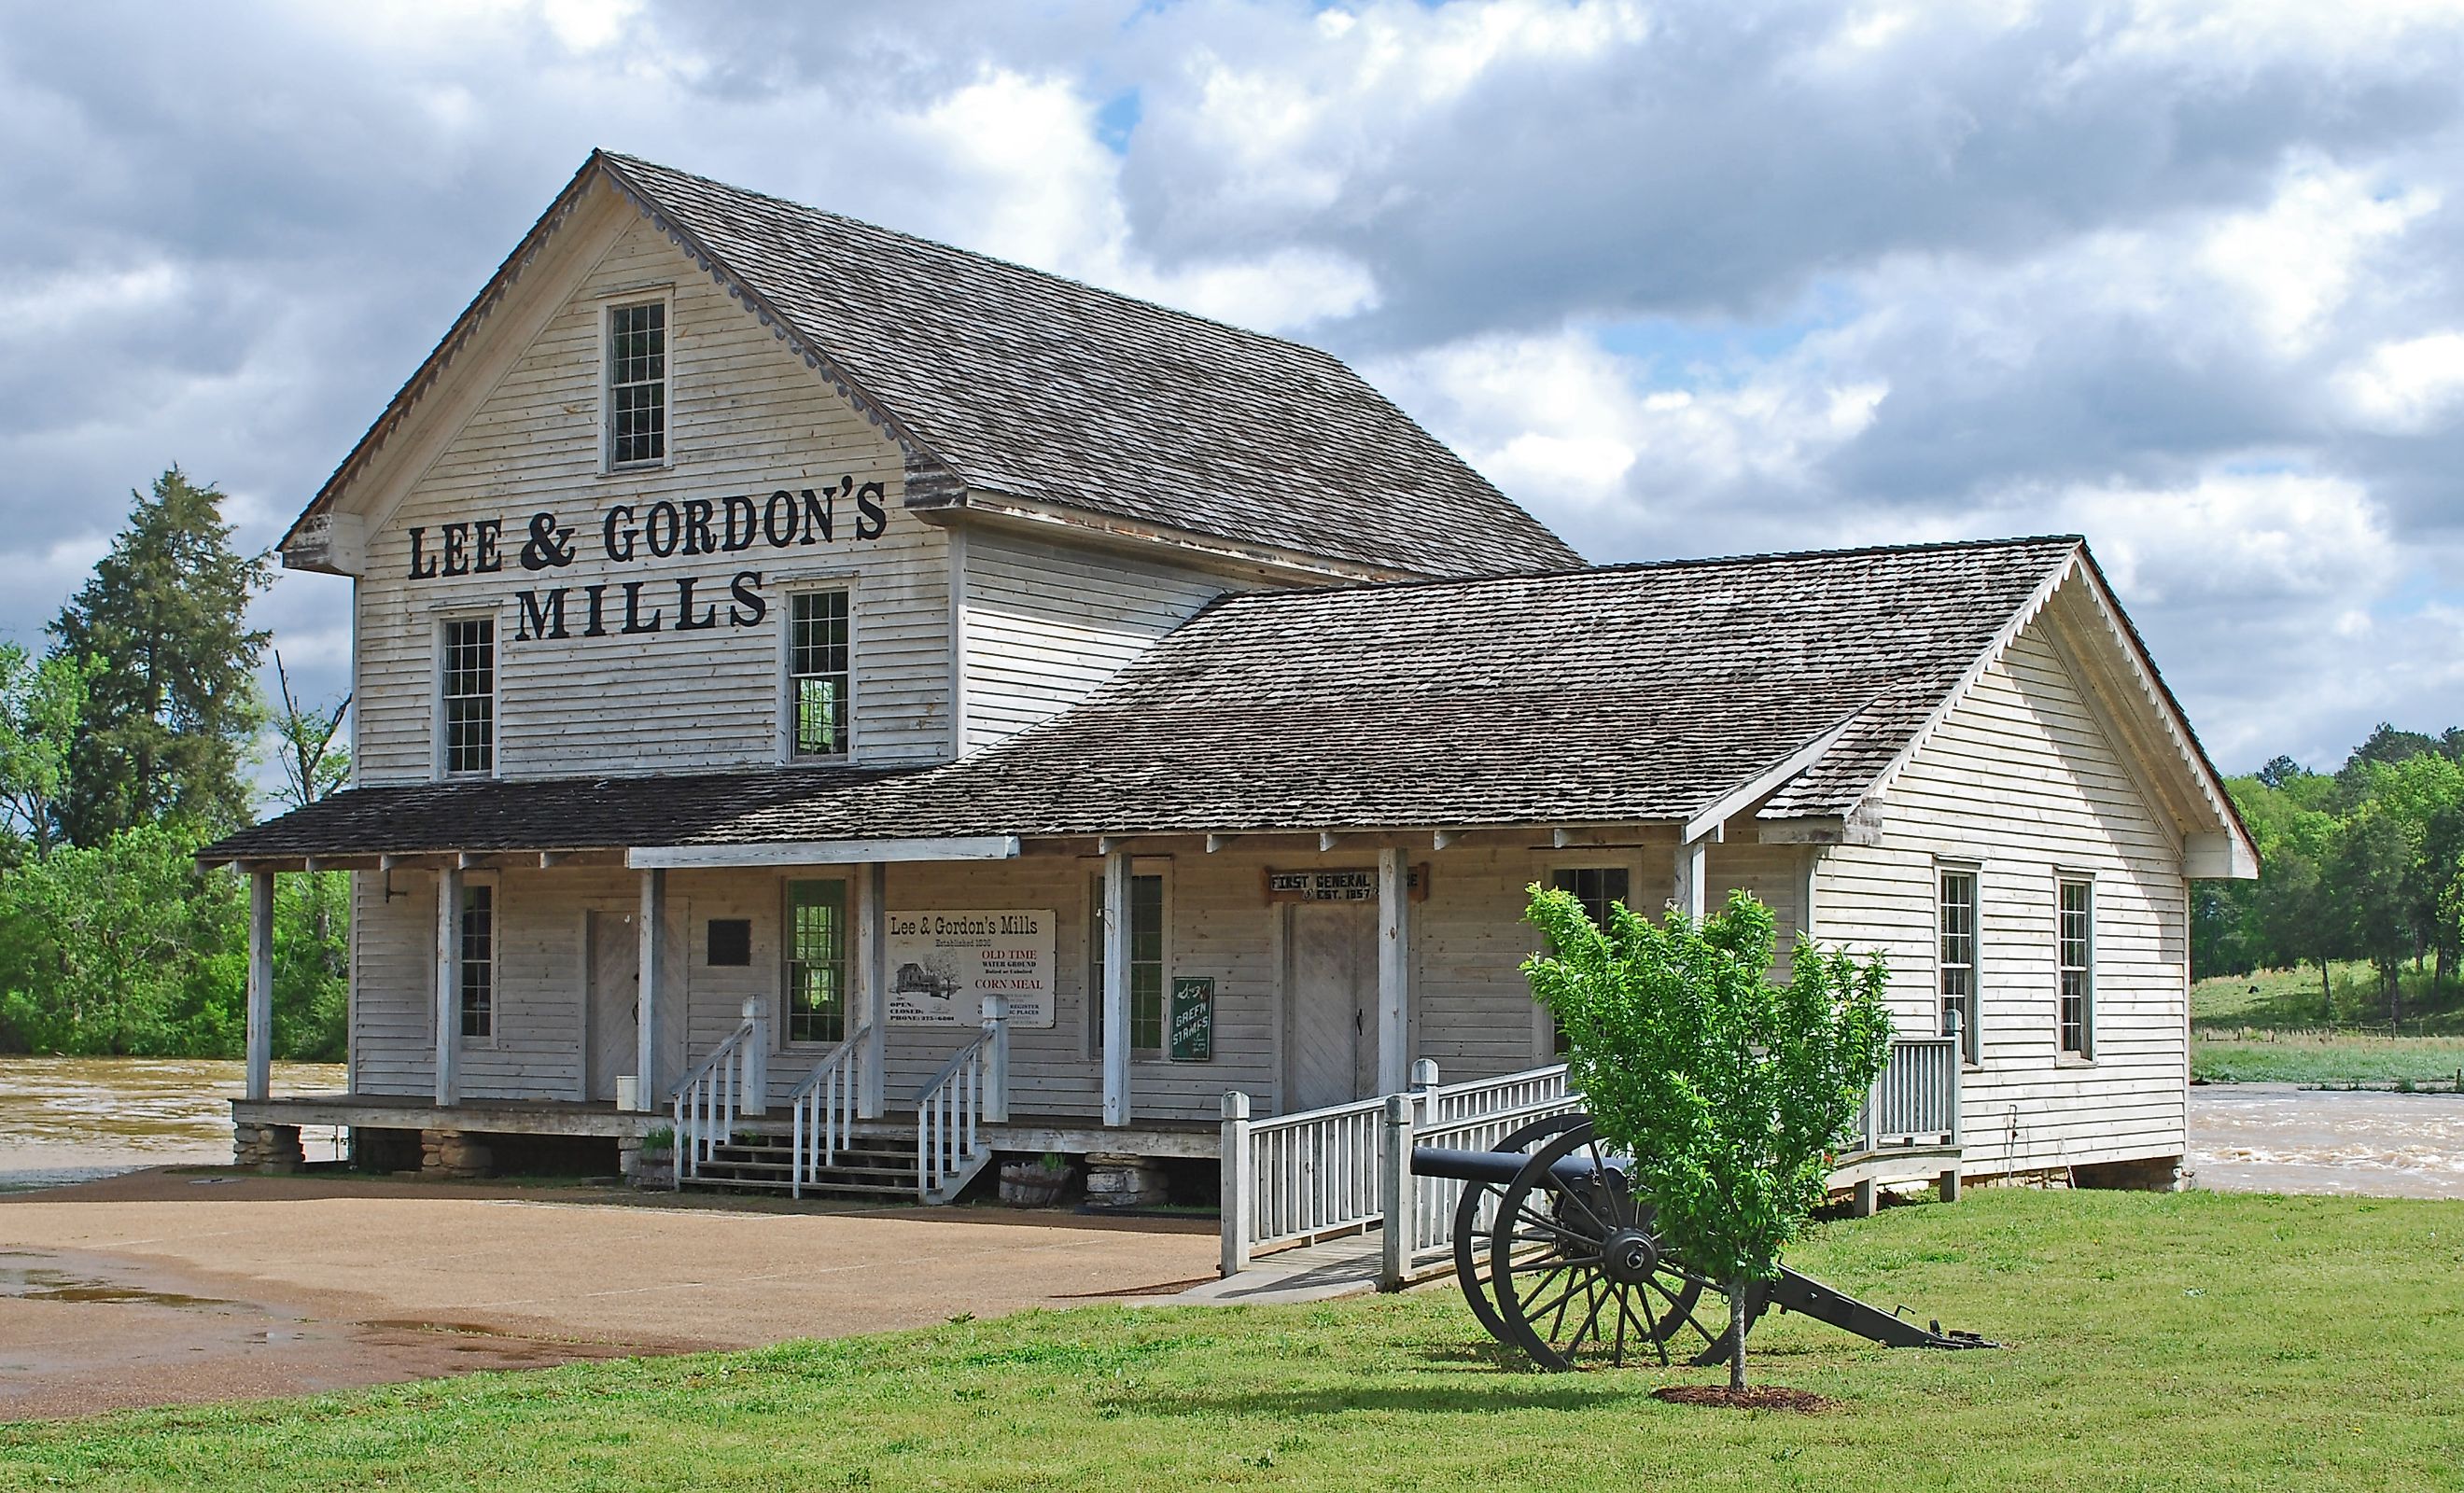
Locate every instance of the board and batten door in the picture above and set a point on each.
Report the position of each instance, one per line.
(611, 1044)
(1331, 986)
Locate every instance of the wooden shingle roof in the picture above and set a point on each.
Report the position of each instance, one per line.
(1637, 694)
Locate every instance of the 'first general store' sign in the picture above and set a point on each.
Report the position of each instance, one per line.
(631, 534)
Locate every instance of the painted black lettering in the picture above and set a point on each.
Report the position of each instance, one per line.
(457, 547)
(597, 625)
(778, 520)
(487, 562)
(743, 524)
(634, 622)
(422, 564)
(617, 533)
(542, 619)
(661, 528)
(869, 519)
(698, 539)
(820, 512)
(750, 606)
(686, 621)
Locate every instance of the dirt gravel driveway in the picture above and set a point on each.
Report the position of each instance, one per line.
(166, 1286)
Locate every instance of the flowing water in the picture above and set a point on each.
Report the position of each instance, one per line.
(73, 1119)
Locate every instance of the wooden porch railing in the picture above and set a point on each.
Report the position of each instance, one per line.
(822, 1111)
(1916, 1101)
(970, 1089)
(727, 1083)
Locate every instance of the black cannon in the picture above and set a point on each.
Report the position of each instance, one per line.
(1555, 1252)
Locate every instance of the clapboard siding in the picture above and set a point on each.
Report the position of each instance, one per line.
(1045, 625)
(2022, 780)
(746, 419)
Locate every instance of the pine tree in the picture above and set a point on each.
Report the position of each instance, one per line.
(173, 711)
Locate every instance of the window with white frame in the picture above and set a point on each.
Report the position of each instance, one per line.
(2076, 959)
(467, 691)
(1145, 963)
(1956, 964)
(637, 385)
(1596, 887)
(817, 673)
(477, 967)
(817, 961)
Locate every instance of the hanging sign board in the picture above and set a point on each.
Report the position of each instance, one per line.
(1193, 1021)
(943, 964)
(1339, 886)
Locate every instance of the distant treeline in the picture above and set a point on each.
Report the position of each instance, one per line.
(2364, 863)
(125, 744)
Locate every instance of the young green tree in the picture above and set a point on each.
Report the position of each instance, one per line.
(173, 711)
(1729, 1090)
(42, 704)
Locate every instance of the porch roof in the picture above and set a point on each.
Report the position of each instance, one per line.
(1653, 693)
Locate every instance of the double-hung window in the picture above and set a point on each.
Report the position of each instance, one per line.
(2075, 961)
(1145, 963)
(637, 385)
(468, 696)
(817, 673)
(1956, 965)
(1595, 887)
(817, 961)
(476, 964)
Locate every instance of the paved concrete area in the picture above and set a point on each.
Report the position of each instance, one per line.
(2280, 1138)
(168, 1287)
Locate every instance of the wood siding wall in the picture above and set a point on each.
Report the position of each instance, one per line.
(745, 419)
(2021, 785)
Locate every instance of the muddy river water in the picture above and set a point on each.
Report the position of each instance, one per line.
(73, 1119)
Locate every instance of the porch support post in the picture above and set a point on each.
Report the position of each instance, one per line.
(1240, 1205)
(1394, 972)
(996, 1009)
(260, 985)
(449, 984)
(1693, 866)
(650, 991)
(1116, 994)
(756, 1057)
(1397, 1197)
(872, 958)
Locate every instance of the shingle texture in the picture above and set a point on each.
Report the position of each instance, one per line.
(1038, 387)
(1632, 694)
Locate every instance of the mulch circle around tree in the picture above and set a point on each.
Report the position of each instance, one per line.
(1722, 1397)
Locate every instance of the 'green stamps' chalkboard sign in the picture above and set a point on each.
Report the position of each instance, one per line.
(1193, 1021)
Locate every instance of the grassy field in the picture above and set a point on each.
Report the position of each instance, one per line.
(2276, 1025)
(2186, 1342)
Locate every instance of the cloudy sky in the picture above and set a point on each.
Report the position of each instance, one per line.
(1683, 278)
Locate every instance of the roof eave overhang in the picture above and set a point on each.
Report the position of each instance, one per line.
(1032, 515)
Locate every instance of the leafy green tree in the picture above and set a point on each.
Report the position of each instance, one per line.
(173, 711)
(1730, 1091)
(124, 949)
(42, 704)
(313, 759)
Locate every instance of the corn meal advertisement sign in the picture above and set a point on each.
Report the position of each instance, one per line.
(943, 964)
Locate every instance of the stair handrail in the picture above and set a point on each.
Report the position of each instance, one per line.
(706, 1103)
(822, 1111)
(970, 1088)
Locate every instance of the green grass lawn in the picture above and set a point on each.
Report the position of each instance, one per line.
(2278, 1025)
(2187, 1342)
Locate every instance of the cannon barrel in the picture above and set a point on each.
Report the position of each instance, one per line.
(1496, 1168)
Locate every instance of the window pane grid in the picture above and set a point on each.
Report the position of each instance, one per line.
(470, 689)
(1957, 962)
(637, 388)
(1595, 887)
(476, 969)
(1145, 963)
(2077, 965)
(817, 949)
(817, 671)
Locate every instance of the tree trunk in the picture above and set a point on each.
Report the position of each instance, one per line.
(2326, 994)
(1737, 1335)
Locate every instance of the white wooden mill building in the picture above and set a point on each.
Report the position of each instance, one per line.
(888, 707)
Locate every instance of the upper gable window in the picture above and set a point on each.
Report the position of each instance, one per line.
(637, 385)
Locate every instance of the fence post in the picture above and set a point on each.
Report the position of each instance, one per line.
(1425, 1080)
(1396, 1197)
(995, 1010)
(756, 1057)
(1238, 1203)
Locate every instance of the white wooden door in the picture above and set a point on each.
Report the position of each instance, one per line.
(615, 972)
(1331, 986)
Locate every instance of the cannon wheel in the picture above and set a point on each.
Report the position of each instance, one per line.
(1469, 1237)
(1577, 1274)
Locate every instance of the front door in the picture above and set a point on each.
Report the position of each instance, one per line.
(612, 1043)
(1331, 986)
